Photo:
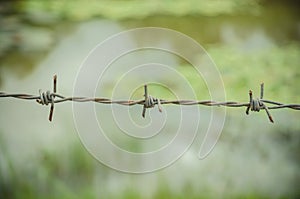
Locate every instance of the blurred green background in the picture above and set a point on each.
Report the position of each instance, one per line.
(251, 41)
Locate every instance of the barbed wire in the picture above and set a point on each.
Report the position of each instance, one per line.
(46, 98)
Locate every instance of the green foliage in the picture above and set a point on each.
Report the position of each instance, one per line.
(82, 10)
(277, 67)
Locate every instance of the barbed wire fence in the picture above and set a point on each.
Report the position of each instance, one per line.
(47, 97)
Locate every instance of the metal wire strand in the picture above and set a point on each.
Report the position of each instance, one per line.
(46, 98)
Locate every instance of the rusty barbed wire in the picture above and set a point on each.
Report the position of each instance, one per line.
(46, 98)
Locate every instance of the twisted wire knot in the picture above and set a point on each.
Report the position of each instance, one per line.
(150, 102)
(257, 104)
(47, 97)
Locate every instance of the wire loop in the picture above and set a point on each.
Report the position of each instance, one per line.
(45, 98)
(256, 105)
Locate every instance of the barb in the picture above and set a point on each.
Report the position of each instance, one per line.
(257, 104)
(150, 102)
(45, 98)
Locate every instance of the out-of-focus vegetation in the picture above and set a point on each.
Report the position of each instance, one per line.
(277, 67)
(247, 149)
(82, 10)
